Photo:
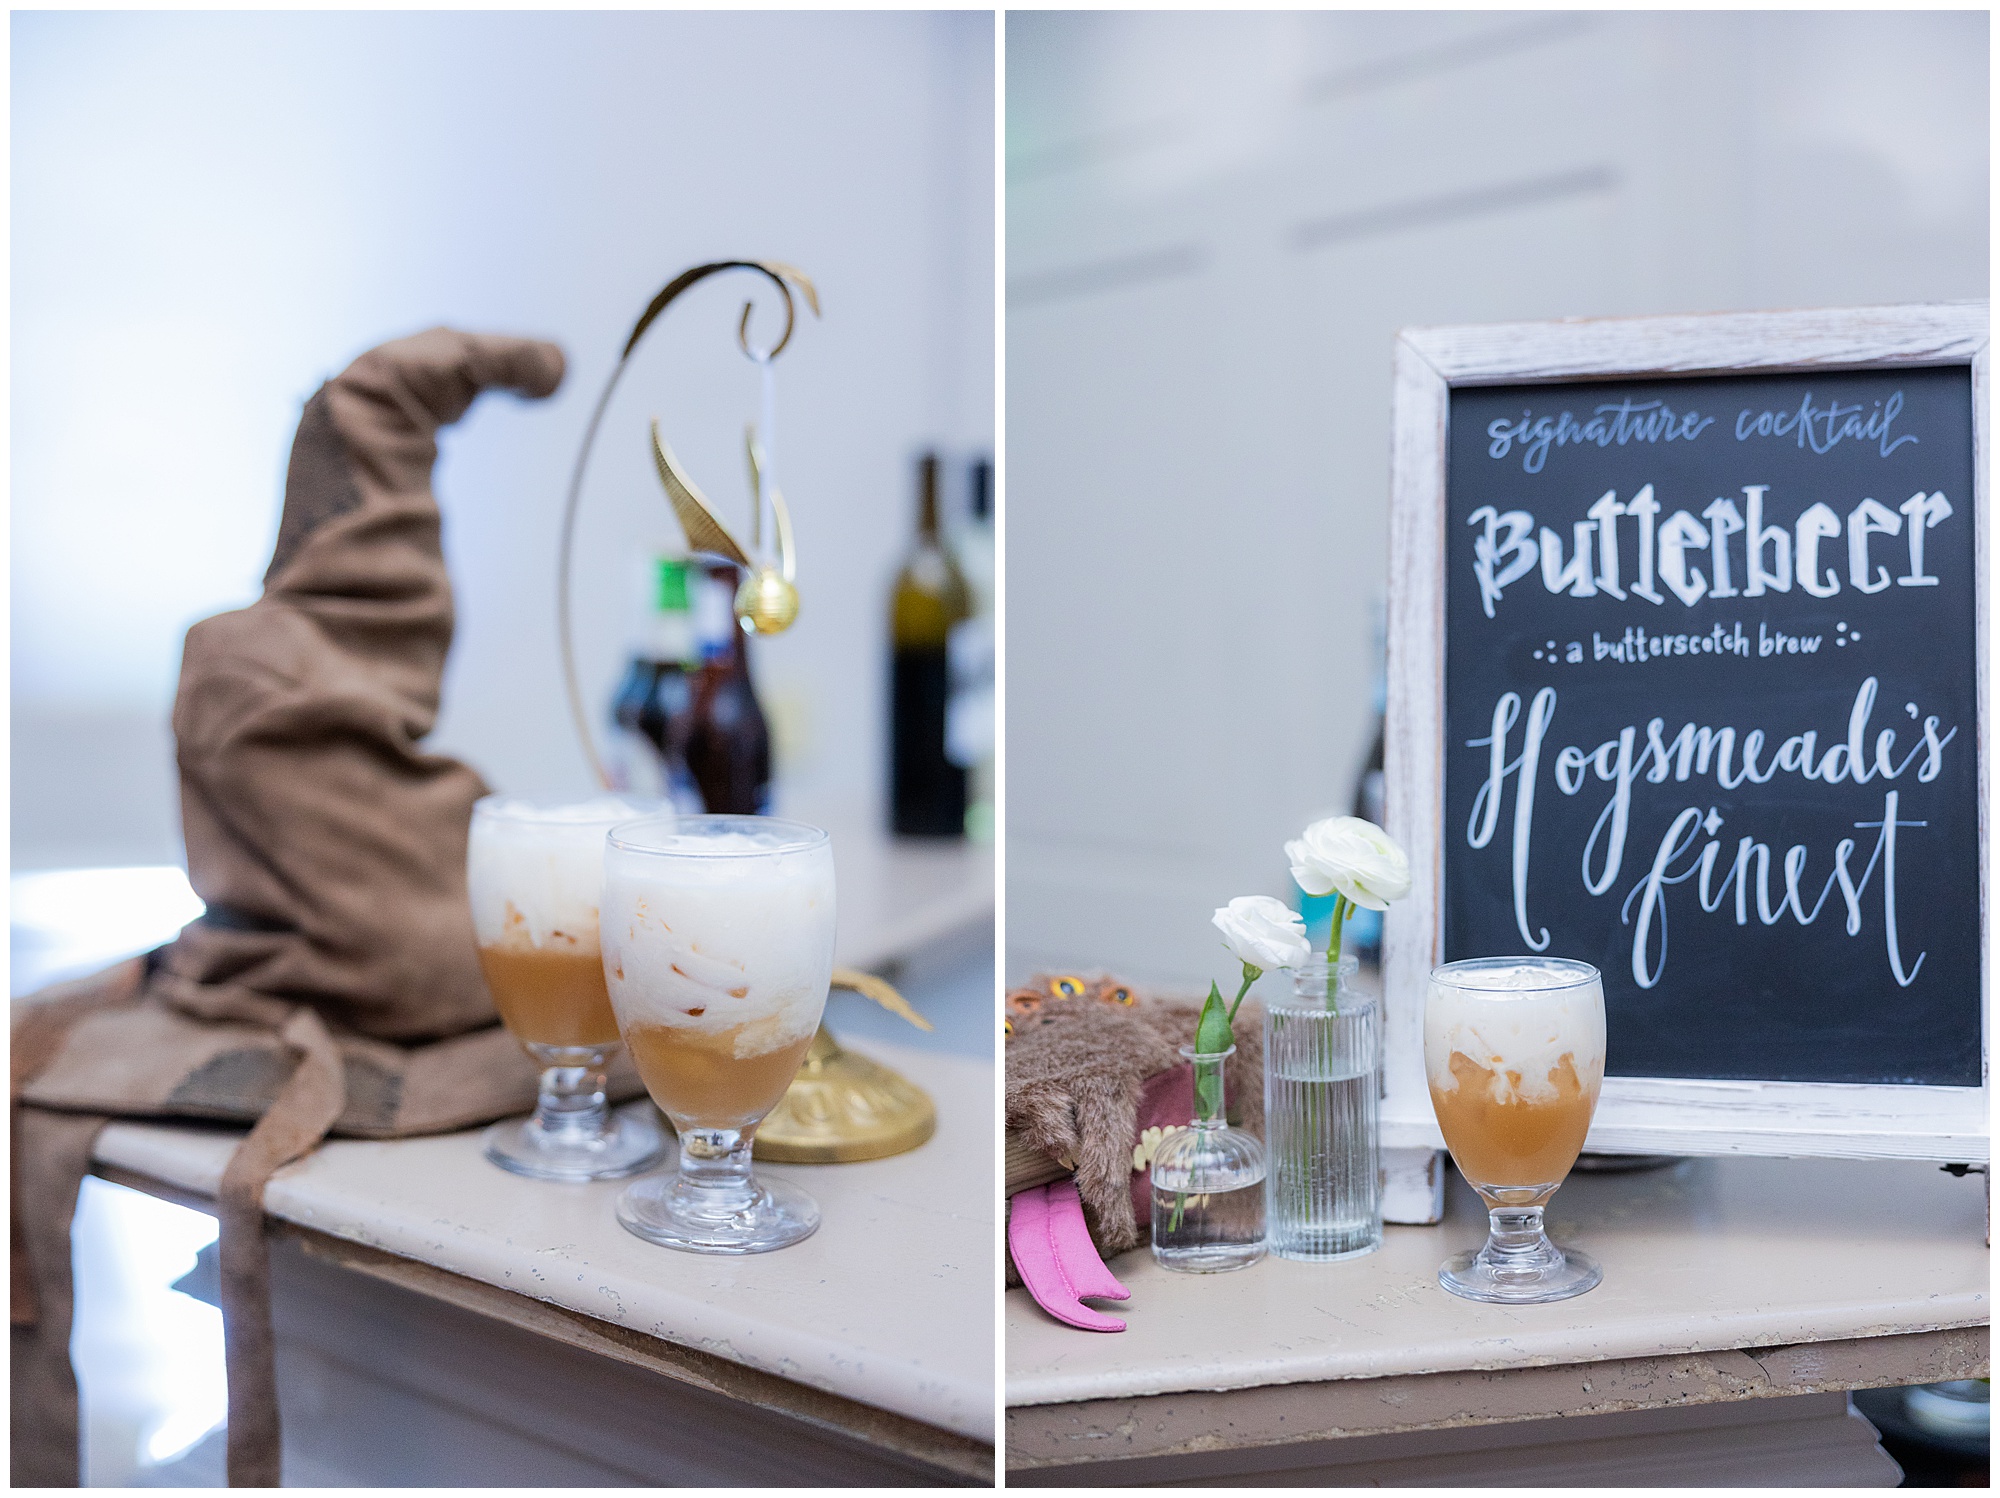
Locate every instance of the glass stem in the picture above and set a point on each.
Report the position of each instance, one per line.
(572, 1100)
(1515, 1239)
(716, 1164)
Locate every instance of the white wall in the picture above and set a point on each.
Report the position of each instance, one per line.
(213, 213)
(1216, 223)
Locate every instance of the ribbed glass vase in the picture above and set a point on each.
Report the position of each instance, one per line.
(1322, 1117)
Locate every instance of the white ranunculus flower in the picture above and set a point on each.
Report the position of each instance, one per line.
(1263, 932)
(1348, 856)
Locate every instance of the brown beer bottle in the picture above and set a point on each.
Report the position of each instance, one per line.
(728, 748)
(927, 791)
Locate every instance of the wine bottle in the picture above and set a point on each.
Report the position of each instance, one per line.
(927, 791)
(728, 747)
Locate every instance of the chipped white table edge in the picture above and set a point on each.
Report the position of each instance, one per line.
(1479, 1340)
(1095, 1441)
(920, 1388)
(1669, 1337)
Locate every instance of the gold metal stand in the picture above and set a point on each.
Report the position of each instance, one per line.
(840, 1106)
(844, 1107)
(781, 276)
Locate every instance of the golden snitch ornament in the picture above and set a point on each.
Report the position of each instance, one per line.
(767, 601)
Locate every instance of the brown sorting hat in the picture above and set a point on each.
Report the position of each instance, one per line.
(332, 985)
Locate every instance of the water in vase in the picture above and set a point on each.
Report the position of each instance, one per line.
(1322, 1105)
(1208, 1216)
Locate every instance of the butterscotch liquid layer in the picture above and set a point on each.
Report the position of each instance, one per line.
(699, 1081)
(551, 996)
(1522, 1141)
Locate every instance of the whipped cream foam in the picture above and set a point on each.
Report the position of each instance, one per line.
(534, 873)
(736, 934)
(1516, 1026)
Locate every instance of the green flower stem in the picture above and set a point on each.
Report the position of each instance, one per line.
(1212, 1036)
(1341, 906)
(1250, 975)
(1207, 1103)
(1208, 1091)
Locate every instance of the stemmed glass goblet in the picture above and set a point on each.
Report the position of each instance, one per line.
(718, 948)
(1514, 1051)
(534, 870)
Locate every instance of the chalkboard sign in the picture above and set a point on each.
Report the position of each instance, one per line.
(1688, 617)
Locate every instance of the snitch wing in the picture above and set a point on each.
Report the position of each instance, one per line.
(697, 518)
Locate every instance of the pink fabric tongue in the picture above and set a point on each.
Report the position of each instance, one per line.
(1057, 1261)
(1074, 1250)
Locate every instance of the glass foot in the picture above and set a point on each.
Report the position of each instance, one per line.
(1520, 1280)
(675, 1213)
(629, 1143)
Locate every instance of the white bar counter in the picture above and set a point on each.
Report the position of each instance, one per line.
(1724, 1279)
(420, 1289)
(879, 1307)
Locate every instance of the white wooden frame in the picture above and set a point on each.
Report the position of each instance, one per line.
(1641, 1115)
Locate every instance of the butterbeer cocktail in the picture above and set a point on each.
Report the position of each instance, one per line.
(1514, 1051)
(718, 948)
(534, 871)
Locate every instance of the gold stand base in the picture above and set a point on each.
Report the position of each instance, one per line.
(842, 1107)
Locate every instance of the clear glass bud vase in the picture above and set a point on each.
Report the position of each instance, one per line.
(1208, 1183)
(1322, 1116)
